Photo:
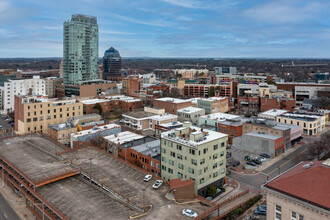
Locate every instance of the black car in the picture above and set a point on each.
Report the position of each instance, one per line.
(236, 163)
(256, 161)
(251, 163)
(265, 155)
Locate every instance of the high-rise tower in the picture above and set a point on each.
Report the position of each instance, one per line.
(112, 65)
(80, 49)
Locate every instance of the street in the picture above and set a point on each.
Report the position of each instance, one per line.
(6, 212)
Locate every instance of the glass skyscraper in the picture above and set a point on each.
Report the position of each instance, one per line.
(80, 49)
(112, 65)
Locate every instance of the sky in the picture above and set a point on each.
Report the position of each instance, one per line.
(173, 28)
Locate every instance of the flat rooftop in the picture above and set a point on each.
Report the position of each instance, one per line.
(95, 130)
(138, 114)
(173, 100)
(93, 101)
(190, 110)
(34, 156)
(165, 116)
(123, 137)
(171, 124)
(263, 135)
(273, 112)
(221, 116)
(152, 148)
(302, 117)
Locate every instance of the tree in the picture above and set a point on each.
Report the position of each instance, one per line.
(98, 107)
(211, 191)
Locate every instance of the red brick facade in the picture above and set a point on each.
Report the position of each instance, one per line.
(171, 107)
(113, 104)
(233, 130)
(248, 104)
(285, 104)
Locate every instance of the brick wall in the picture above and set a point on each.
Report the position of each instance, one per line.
(171, 107)
(267, 104)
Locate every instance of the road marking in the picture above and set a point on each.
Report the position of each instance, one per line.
(287, 162)
(5, 215)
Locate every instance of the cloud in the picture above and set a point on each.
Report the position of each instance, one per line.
(154, 22)
(283, 11)
(115, 32)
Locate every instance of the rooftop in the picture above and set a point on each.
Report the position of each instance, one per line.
(93, 101)
(96, 129)
(165, 116)
(123, 137)
(222, 116)
(303, 117)
(138, 114)
(310, 185)
(171, 124)
(273, 112)
(173, 100)
(263, 135)
(207, 136)
(190, 110)
(151, 148)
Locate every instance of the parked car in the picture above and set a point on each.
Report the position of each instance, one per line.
(265, 155)
(236, 163)
(256, 161)
(251, 163)
(121, 120)
(247, 158)
(228, 155)
(259, 212)
(147, 178)
(262, 159)
(190, 213)
(157, 184)
(262, 207)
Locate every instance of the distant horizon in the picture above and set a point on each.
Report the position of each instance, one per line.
(283, 29)
(215, 58)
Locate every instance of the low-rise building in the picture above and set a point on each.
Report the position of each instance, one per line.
(233, 128)
(36, 113)
(272, 113)
(279, 103)
(212, 120)
(50, 85)
(213, 104)
(260, 142)
(96, 133)
(310, 123)
(194, 153)
(171, 105)
(166, 127)
(190, 114)
(300, 193)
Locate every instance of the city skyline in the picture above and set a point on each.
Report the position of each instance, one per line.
(169, 28)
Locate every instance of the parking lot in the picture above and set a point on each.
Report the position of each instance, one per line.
(239, 155)
(6, 129)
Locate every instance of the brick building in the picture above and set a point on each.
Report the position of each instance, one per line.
(277, 103)
(232, 128)
(248, 105)
(130, 85)
(171, 105)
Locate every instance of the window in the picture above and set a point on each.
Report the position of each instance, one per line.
(54, 110)
(54, 116)
(201, 181)
(221, 163)
(179, 147)
(152, 163)
(296, 216)
(41, 118)
(180, 156)
(223, 144)
(28, 128)
(28, 113)
(202, 161)
(180, 166)
(221, 153)
(205, 150)
(164, 159)
(199, 171)
(172, 154)
(170, 170)
(163, 150)
(192, 151)
(180, 175)
(35, 119)
(215, 174)
(191, 170)
(215, 156)
(215, 165)
(215, 147)
(222, 170)
(278, 212)
(163, 167)
(48, 111)
(194, 162)
(171, 162)
(28, 120)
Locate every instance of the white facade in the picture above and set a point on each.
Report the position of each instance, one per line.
(20, 87)
(309, 92)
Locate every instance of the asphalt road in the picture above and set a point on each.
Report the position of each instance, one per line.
(6, 212)
(250, 182)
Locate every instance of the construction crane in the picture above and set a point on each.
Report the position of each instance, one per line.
(306, 64)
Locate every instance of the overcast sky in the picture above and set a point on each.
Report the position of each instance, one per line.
(173, 28)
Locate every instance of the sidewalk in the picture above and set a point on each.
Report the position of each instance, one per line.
(17, 204)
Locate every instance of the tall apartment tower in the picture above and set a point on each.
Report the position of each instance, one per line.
(80, 49)
(112, 65)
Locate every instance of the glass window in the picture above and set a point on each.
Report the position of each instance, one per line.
(278, 212)
(180, 156)
(164, 159)
(215, 147)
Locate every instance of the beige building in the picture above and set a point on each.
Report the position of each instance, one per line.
(310, 123)
(194, 153)
(35, 113)
(301, 193)
(50, 85)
